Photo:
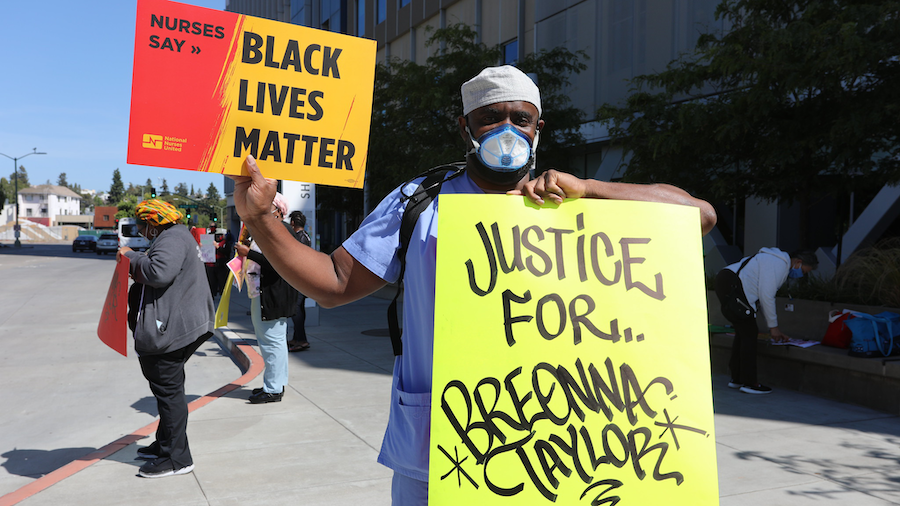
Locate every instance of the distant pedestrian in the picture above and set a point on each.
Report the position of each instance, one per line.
(224, 253)
(299, 341)
(746, 286)
(272, 302)
(174, 316)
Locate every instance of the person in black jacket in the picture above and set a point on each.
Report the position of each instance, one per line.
(272, 302)
(173, 316)
(299, 341)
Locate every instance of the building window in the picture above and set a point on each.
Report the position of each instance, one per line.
(28, 212)
(381, 12)
(621, 34)
(511, 52)
(105, 217)
(330, 15)
(360, 17)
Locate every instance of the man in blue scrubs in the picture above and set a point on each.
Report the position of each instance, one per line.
(500, 124)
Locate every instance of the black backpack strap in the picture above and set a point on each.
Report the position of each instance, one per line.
(744, 264)
(420, 199)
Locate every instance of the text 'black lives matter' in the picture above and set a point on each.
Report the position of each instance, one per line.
(291, 101)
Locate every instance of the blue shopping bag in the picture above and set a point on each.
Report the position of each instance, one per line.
(874, 335)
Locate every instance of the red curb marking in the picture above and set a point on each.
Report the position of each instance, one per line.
(50, 479)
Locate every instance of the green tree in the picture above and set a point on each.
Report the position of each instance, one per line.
(22, 176)
(62, 181)
(6, 192)
(117, 189)
(212, 195)
(799, 98)
(165, 189)
(127, 206)
(181, 189)
(87, 201)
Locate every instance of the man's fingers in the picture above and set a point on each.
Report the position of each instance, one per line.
(256, 174)
(550, 187)
(239, 179)
(253, 170)
(530, 191)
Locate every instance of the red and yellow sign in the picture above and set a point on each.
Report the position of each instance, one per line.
(211, 87)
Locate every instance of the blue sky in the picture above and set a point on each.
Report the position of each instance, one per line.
(66, 86)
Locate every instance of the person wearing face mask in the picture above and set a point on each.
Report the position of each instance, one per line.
(173, 316)
(757, 278)
(500, 125)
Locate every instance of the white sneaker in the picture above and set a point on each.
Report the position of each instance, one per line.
(758, 389)
(162, 467)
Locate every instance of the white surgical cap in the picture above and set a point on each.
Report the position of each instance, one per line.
(499, 84)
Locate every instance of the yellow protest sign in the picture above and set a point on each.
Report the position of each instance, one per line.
(210, 87)
(579, 373)
(224, 301)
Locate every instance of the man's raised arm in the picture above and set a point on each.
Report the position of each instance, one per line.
(556, 186)
(331, 280)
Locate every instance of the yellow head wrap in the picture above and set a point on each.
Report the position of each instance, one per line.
(157, 212)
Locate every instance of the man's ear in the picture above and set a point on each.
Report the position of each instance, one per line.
(462, 129)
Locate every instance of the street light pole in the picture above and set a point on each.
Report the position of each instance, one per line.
(16, 174)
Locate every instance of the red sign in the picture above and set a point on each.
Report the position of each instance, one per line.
(113, 328)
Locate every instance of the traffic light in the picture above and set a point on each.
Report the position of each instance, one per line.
(215, 217)
(152, 193)
(188, 216)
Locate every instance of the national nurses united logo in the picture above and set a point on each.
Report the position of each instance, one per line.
(152, 141)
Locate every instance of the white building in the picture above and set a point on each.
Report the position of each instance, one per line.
(44, 204)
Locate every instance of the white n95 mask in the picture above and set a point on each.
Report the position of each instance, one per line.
(503, 149)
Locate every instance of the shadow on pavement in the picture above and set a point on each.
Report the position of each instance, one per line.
(37, 463)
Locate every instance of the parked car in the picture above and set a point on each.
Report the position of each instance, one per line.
(85, 242)
(129, 236)
(108, 243)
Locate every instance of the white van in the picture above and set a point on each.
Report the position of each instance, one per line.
(129, 236)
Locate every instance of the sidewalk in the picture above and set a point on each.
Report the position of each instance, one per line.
(318, 446)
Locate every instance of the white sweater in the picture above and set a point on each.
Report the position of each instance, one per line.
(762, 277)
